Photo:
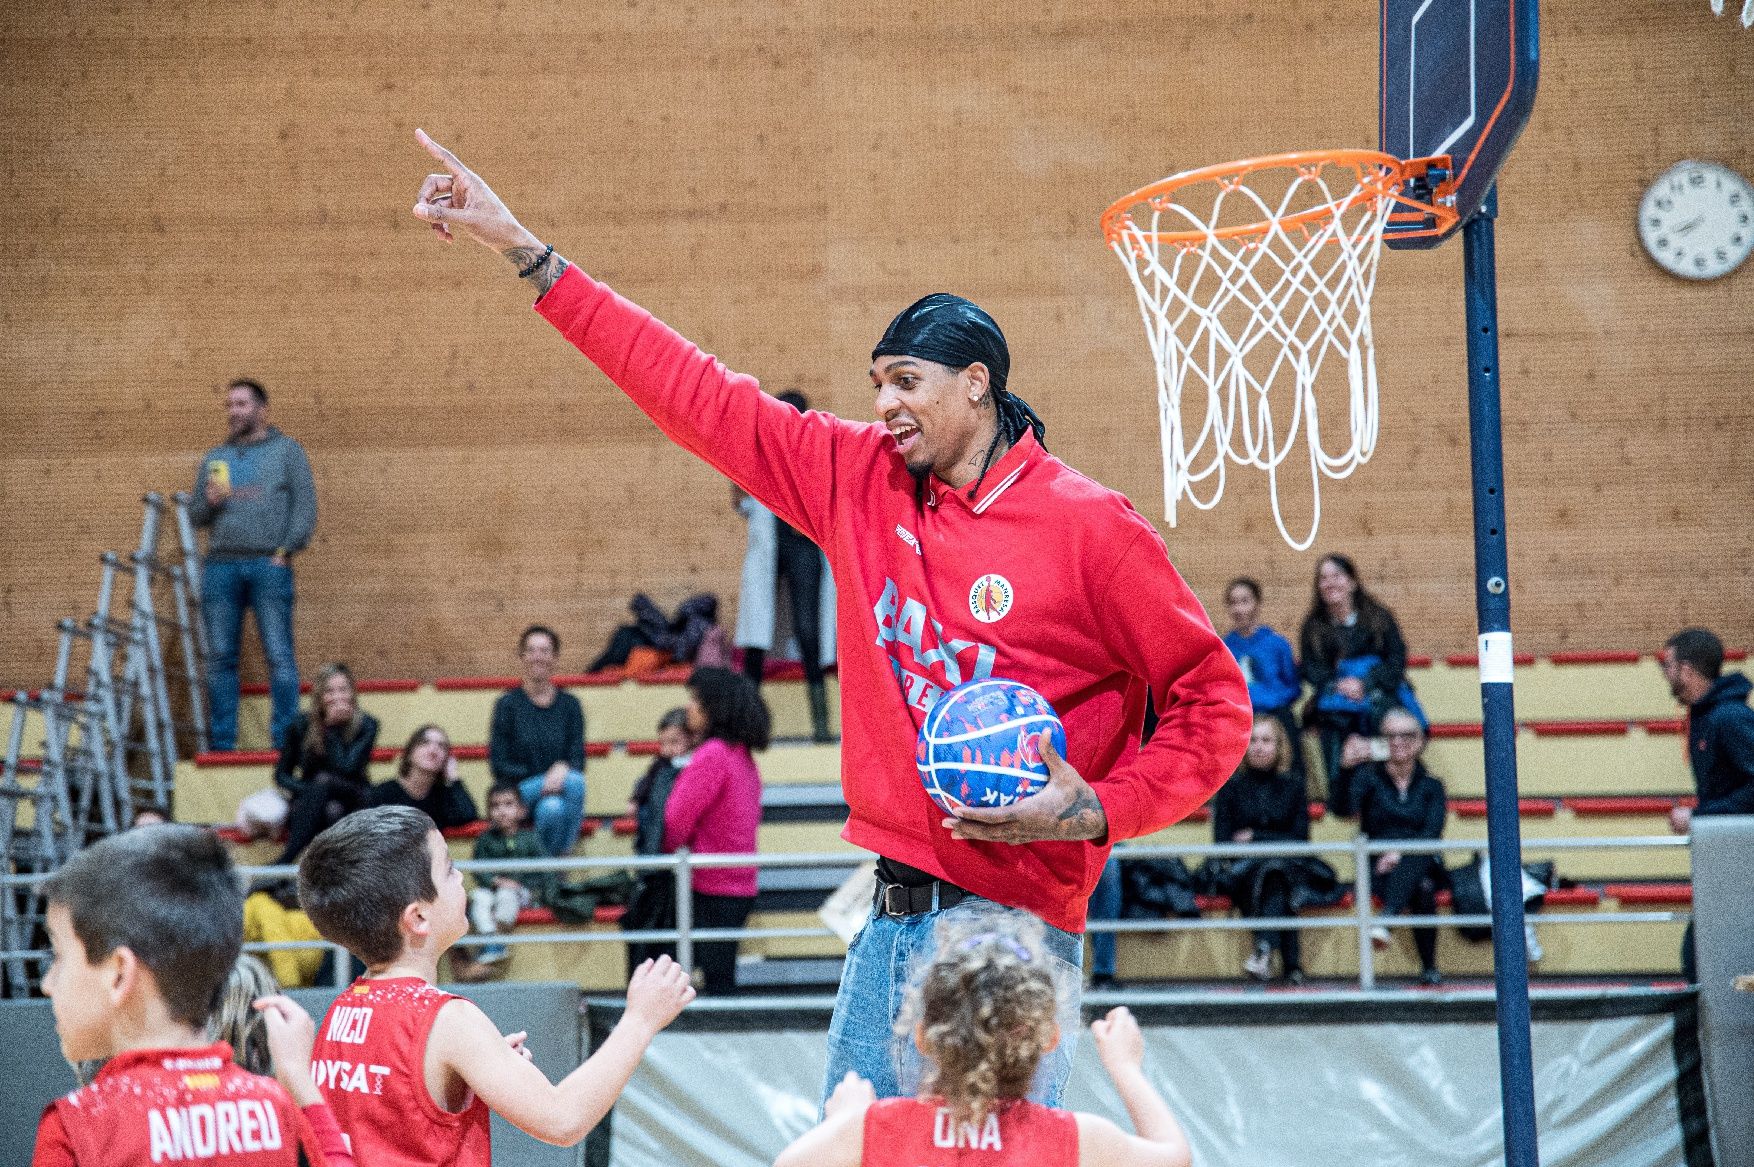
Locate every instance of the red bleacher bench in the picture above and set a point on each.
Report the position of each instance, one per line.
(1212, 903)
(1613, 657)
(1529, 808)
(1625, 805)
(1667, 894)
(1576, 728)
(607, 914)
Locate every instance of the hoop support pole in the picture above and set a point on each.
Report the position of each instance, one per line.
(1510, 969)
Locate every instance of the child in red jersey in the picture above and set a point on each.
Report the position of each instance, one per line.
(145, 928)
(412, 1072)
(983, 1014)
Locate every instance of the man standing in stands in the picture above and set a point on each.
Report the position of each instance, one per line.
(1720, 737)
(961, 549)
(256, 497)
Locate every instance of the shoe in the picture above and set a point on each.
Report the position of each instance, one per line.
(1103, 982)
(1260, 964)
(1295, 977)
(1379, 938)
(1431, 978)
(492, 954)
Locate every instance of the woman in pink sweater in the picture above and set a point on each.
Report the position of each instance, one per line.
(715, 807)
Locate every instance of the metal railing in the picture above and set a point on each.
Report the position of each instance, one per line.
(1362, 916)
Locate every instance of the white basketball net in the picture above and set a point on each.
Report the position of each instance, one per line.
(1717, 8)
(1250, 293)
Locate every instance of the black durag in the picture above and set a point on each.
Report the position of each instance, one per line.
(951, 331)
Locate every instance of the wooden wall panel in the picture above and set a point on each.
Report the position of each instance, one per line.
(197, 191)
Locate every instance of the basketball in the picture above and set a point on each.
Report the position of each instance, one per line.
(979, 744)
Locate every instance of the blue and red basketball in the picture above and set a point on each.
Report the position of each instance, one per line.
(980, 744)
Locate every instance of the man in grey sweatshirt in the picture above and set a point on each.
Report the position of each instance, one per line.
(256, 497)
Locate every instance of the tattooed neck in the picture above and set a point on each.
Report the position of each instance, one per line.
(543, 277)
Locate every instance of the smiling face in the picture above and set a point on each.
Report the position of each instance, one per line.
(538, 655)
(243, 413)
(338, 699)
(79, 992)
(1337, 588)
(938, 416)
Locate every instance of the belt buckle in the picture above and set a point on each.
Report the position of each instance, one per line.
(887, 900)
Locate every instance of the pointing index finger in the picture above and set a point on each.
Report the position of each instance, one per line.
(445, 157)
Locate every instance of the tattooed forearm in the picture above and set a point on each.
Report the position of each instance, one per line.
(1084, 818)
(543, 277)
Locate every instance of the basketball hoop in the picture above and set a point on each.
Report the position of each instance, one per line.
(1253, 277)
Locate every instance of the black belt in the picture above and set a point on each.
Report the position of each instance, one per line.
(894, 899)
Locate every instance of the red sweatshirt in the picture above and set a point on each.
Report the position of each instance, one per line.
(1047, 578)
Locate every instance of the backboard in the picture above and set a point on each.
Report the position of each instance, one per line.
(1458, 78)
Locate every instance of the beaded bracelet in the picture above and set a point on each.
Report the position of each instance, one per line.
(536, 265)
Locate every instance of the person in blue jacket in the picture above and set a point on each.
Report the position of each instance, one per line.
(1266, 659)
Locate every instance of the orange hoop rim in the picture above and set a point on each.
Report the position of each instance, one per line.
(1379, 175)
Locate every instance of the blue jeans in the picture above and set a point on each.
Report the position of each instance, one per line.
(228, 587)
(880, 965)
(1105, 904)
(556, 818)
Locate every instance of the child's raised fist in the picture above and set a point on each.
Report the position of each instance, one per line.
(1119, 1043)
(657, 992)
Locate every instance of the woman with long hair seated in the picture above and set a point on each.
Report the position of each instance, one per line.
(1265, 802)
(324, 760)
(982, 1013)
(426, 779)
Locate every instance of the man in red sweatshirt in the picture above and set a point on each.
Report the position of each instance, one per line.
(962, 549)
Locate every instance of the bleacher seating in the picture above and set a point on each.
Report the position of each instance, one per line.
(1599, 755)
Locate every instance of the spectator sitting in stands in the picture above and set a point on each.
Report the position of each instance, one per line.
(715, 807)
(1266, 659)
(1356, 661)
(426, 779)
(1400, 799)
(150, 814)
(1265, 802)
(325, 757)
(272, 914)
(1720, 738)
(497, 899)
(536, 742)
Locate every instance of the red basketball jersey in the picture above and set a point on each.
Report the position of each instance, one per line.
(369, 1063)
(913, 1132)
(176, 1106)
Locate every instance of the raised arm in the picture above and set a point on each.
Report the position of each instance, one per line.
(782, 457)
(1159, 1141)
(562, 1113)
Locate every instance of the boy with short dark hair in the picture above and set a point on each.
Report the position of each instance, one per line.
(146, 927)
(413, 1072)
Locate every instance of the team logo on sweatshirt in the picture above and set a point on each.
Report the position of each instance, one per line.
(990, 598)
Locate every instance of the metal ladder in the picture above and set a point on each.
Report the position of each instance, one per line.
(109, 746)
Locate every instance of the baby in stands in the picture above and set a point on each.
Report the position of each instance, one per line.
(412, 1072)
(146, 927)
(983, 1014)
